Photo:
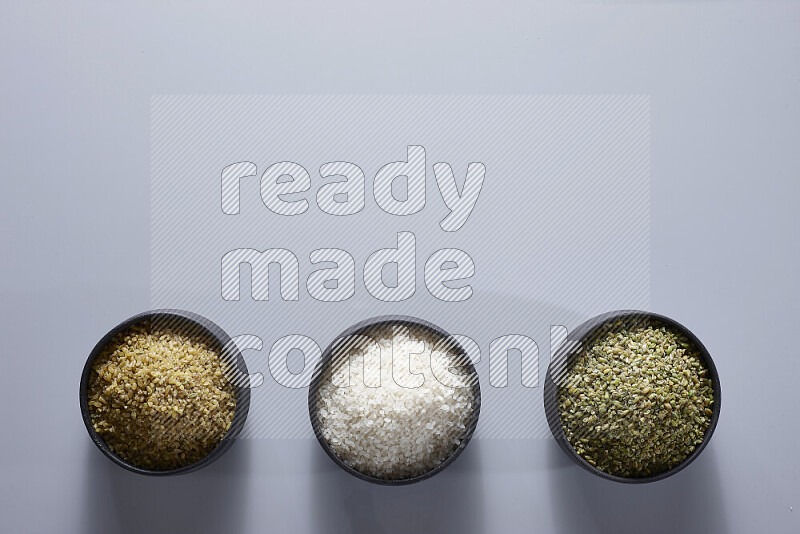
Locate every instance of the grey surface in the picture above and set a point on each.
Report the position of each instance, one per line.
(724, 81)
(559, 233)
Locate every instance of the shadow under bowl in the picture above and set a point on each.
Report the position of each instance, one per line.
(584, 336)
(363, 328)
(197, 327)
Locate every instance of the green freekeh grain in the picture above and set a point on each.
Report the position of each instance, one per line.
(637, 401)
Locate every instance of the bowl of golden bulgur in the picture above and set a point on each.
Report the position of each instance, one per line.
(164, 392)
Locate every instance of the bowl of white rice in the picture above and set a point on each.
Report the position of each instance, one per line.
(394, 400)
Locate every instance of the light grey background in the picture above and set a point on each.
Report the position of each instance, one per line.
(724, 80)
(560, 231)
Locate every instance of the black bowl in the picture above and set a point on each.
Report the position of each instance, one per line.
(215, 337)
(584, 336)
(365, 326)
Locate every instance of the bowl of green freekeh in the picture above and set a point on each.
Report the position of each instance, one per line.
(632, 396)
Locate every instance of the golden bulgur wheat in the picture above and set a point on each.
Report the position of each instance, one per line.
(159, 398)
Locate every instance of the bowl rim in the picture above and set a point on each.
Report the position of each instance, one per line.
(216, 333)
(361, 327)
(568, 350)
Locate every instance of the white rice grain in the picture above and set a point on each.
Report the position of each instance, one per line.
(403, 416)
